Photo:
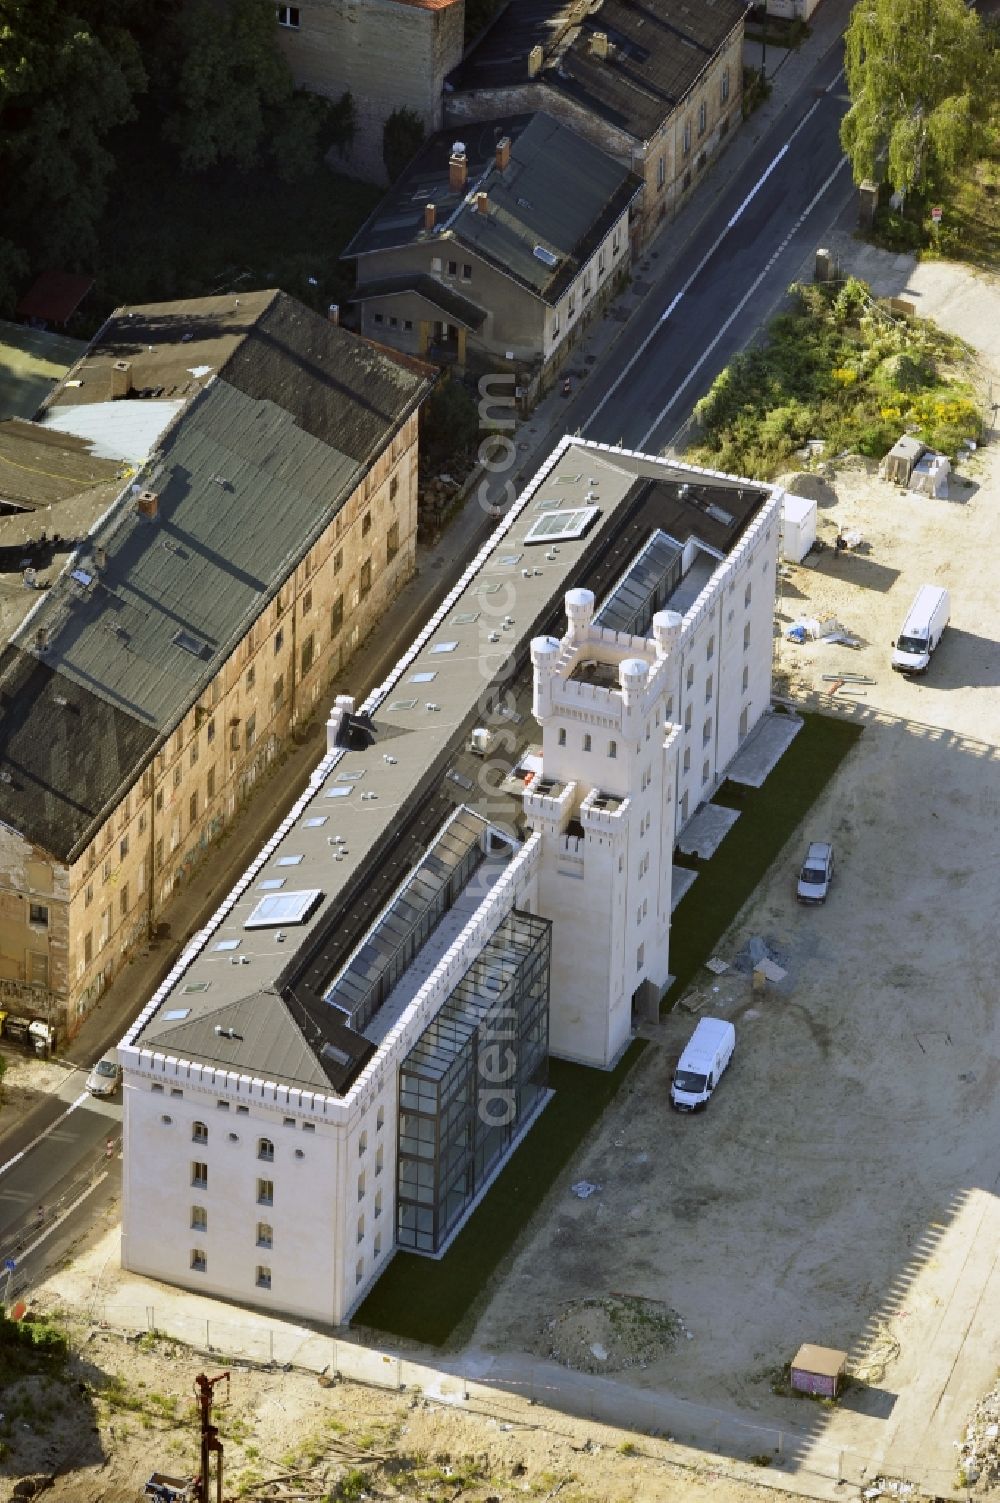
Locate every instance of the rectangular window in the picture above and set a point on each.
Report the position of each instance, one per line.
(279, 640)
(123, 848)
(466, 272)
(88, 947)
(177, 777)
(210, 785)
(250, 679)
(123, 900)
(199, 1261)
(307, 602)
(263, 1277)
(710, 650)
(708, 690)
(366, 524)
(194, 752)
(158, 857)
(746, 678)
(251, 730)
(199, 1219)
(193, 809)
(210, 731)
(278, 692)
(38, 914)
(159, 801)
(265, 1234)
(724, 86)
(746, 636)
(452, 268)
(288, 15)
(336, 616)
(338, 560)
(306, 655)
(199, 1176)
(706, 732)
(702, 117)
(392, 543)
(393, 487)
(661, 172)
(687, 137)
(365, 579)
(265, 1192)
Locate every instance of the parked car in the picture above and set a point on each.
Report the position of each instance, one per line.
(706, 1055)
(816, 874)
(106, 1076)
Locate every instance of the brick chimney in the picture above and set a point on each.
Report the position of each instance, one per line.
(458, 168)
(535, 59)
(121, 379)
(482, 202)
(503, 153)
(147, 505)
(599, 45)
(430, 216)
(333, 313)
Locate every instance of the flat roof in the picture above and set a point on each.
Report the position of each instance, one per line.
(372, 810)
(31, 362)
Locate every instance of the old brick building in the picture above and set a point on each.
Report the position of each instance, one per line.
(255, 471)
(658, 86)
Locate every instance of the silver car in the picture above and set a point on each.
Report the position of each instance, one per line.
(105, 1078)
(816, 874)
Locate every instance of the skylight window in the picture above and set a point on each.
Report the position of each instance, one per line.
(560, 526)
(273, 884)
(423, 678)
(283, 908)
(444, 647)
(465, 619)
(176, 1013)
(349, 777)
(289, 860)
(511, 558)
(545, 256)
(317, 821)
(548, 503)
(403, 704)
(227, 944)
(190, 643)
(343, 791)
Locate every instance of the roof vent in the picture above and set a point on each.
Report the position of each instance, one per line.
(535, 59)
(599, 45)
(226, 1033)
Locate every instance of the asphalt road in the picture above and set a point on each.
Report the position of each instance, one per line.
(712, 303)
(64, 1157)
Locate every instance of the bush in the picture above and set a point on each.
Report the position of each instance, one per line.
(893, 231)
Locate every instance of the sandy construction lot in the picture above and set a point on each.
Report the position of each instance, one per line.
(842, 1187)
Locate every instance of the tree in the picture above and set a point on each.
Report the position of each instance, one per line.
(920, 75)
(63, 87)
(229, 75)
(402, 138)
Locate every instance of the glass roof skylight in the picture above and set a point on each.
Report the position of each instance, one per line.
(444, 647)
(559, 526)
(423, 678)
(283, 908)
(289, 860)
(272, 884)
(644, 588)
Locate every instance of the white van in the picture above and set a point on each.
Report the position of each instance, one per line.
(922, 630)
(706, 1054)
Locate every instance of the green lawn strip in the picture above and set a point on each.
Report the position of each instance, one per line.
(769, 815)
(425, 1300)
(171, 234)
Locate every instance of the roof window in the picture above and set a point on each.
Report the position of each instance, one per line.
(283, 908)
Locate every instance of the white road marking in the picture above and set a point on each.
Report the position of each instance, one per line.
(754, 285)
(708, 255)
(51, 1128)
(26, 1252)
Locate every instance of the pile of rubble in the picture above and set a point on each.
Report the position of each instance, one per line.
(611, 1334)
(979, 1450)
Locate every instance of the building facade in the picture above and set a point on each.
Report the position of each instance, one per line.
(190, 632)
(496, 252)
(478, 876)
(659, 89)
(387, 54)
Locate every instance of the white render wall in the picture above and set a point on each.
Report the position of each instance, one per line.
(325, 1257)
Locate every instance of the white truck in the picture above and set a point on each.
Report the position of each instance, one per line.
(922, 630)
(706, 1054)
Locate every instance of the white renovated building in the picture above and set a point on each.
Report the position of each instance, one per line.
(479, 875)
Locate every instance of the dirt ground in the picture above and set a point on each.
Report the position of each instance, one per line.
(126, 1409)
(841, 1189)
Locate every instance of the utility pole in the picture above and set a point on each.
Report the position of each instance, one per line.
(205, 1389)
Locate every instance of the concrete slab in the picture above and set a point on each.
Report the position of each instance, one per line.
(765, 748)
(681, 880)
(706, 830)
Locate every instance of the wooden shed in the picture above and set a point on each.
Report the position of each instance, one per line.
(819, 1370)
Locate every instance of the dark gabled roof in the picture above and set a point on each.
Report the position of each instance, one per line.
(446, 299)
(657, 50)
(558, 195)
(64, 751)
(265, 1025)
(249, 471)
(54, 296)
